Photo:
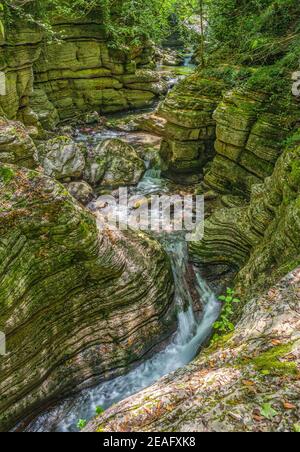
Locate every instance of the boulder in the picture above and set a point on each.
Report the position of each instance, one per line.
(62, 158)
(114, 163)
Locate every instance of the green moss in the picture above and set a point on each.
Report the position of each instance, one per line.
(6, 175)
(269, 362)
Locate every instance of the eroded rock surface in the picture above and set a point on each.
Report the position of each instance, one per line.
(62, 158)
(16, 146)
(185, 121)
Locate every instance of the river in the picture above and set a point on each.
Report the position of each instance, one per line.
(194, 324)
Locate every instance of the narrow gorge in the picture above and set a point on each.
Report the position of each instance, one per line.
(160, 328)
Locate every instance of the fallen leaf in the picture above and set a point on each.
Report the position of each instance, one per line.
(268, 411)
(248, 383)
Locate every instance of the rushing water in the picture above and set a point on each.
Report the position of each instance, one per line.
(191, 332)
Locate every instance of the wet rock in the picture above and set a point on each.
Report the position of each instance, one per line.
(92, 118)
(62, 158)
(114, 163)
(81, 191)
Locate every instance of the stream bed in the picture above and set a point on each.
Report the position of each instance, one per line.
(196, 306)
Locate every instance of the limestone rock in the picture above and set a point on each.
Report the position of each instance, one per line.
(45, 110)
(248, 142)
(22, 47)
(185, 121)
(114, 163)
(62, 158)
(78, 305)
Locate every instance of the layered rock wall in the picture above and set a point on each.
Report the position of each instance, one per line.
(19, 49)
(185, 121)
(248, 382)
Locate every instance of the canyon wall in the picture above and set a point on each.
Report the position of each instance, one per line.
(81, 73)
(77, 305)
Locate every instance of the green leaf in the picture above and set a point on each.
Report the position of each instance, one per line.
(296, 428)
(81, 423)
(222, 298)
(268, 411)
(236, 300)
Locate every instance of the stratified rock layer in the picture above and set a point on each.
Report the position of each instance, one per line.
(265, 234)
(249, 142)
(20, 49)
(82, 73)
(16, 146)
(248, 382)
(77, 305)
(185, 121)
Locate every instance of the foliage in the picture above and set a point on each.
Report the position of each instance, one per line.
(6, 174)
(81, 424)
(257, 30)
(224, 324)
